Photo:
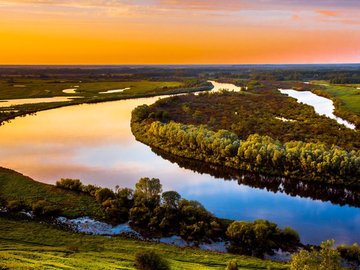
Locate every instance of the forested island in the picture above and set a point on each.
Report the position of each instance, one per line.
(259, 130)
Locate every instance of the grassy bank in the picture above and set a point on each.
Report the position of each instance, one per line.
(20, 188)
(85, 91)
(346, 100)
(30, 245)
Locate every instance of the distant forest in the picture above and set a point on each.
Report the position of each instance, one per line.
(339, 74)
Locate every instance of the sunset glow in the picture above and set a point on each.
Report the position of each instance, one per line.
(179, 32)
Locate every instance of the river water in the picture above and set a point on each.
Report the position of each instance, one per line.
(322, 105)
(94, 143)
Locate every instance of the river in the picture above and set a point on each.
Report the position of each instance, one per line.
(94, 143)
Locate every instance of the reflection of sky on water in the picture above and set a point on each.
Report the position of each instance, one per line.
(322, 105)
(94, 143)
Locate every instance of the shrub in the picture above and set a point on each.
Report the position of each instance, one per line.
(232, 265)
(350, 253)
(71, 184)
(149, 260)
(90, 189)
(327, 258)
(15, 206)
(44, 208)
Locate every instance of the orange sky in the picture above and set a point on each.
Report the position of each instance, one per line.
(178, 32)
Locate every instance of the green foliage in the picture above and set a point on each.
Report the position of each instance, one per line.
(45, 208)
(15, 206)
(350, 253)
(147, 188)
(141, 114)
(149, 260)
(257, 238)
(290, 238)
(89, 189)
(325, 259)
(104, 194)
(70, 184)
(171, 199)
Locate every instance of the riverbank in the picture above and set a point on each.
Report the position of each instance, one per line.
(89, 96)
(47, 246)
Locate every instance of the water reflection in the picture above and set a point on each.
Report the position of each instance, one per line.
(93, 142)
(314, 190)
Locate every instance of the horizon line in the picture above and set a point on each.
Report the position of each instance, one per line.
(193, 64)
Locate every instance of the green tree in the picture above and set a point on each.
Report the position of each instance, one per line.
(104, 194)
(327, 258)
(171, 199)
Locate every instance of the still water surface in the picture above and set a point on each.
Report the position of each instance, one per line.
(322, 105)
(94, 143)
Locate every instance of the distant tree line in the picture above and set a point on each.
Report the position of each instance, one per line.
(335, 73)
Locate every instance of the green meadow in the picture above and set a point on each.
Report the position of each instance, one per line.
(31, 245)
(349, 96)
(41, 88)
(20, 188)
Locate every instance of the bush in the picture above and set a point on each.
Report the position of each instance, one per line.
(350, 253)
(90, 189)
(45, 208)
(71, 184)
(15, 206)
(327, 258)
(232, 265)
(149, 260)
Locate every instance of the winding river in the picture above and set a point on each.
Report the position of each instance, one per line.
(94, 143)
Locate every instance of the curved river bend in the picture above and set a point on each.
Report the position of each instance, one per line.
(94, 143)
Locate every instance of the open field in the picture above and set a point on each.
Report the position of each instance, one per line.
(86, 91)
(349, 96)
(37, 88)
(49, 248)
(346, 98)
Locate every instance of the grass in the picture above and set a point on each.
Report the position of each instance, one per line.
(31, 245)
(346, 98)
(15, 186)
(349, 96)
(88, 91)
(37, 88)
